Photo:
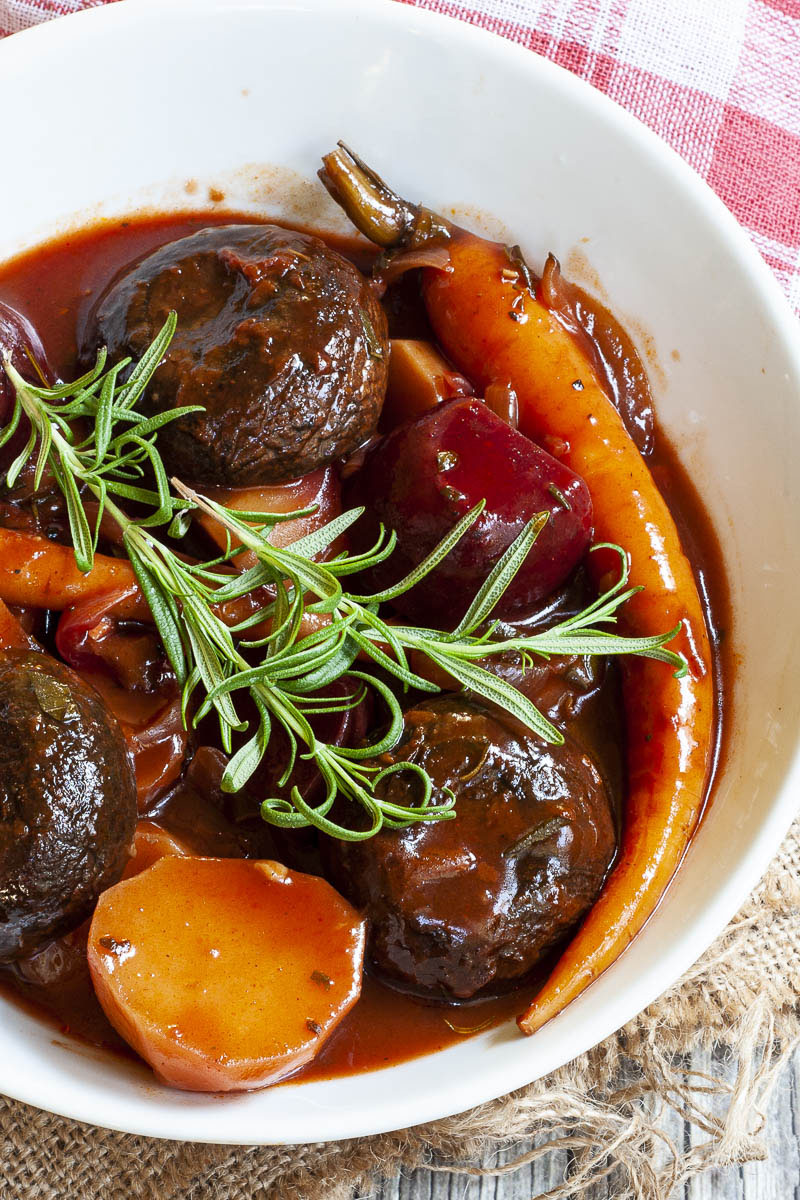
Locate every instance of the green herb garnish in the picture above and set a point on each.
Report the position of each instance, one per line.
(117, 451)
(285, 670)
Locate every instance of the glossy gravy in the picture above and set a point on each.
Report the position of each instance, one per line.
(55, 286)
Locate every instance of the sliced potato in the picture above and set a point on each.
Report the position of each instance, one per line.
(225, 974)
(419, 379)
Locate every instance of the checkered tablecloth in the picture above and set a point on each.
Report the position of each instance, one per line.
(718, 79)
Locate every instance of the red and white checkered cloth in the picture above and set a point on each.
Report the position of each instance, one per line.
(718, 79)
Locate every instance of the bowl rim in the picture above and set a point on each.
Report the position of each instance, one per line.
(397, 1111)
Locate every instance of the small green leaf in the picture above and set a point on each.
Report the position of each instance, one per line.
(79, 385)
(499, 692)
(103, 416)
(394, 731)
(19, 462)
(179, 526)
(164, 614)
(147, 365)
(245, 761)
(314, 543)
(12, 426)
(81, 535)
(432, 560)
(45, 445)
(501, 576)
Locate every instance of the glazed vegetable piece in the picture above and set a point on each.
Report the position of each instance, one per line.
(159, 746)
(427, 474)
(67, 801)
(91, 635)
(419, 379)
(34, 570)
(280, 340)
(126, 662)
(12, 635)
(22, 343)
(150, 843)
(615, 362)
(318, 491)
(488, 314)
(225, 974)
(466, 907)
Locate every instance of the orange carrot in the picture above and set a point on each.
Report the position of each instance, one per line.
(669, 721)
(496, 329)
(225, 974)
(34, 570)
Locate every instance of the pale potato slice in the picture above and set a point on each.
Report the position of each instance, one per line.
(225, 974)
(419, 379)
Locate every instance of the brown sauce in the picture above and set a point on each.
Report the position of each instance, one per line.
(54, 286)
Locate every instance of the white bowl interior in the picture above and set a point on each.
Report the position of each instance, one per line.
(123, 106)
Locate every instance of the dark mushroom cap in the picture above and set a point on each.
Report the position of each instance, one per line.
(467, 906)
(67, 801)
(280, 339)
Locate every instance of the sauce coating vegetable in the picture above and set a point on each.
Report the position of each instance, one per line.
(225, 973)
(428, 473)
(669, 721)
(491, 321)
(464, 907)
(67, 801)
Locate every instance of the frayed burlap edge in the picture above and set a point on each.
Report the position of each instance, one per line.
(606, 1107)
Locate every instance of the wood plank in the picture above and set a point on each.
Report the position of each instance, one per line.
(712, 1185)
(779, 1177)
(776, 1179)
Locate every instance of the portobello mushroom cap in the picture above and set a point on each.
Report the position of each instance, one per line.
(280, 339)
(466, 907)
(67, 801)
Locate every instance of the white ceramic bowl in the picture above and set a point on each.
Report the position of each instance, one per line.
(122, 106)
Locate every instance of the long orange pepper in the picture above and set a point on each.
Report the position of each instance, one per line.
(496, 329)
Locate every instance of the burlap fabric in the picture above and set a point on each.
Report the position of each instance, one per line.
(607, 1106)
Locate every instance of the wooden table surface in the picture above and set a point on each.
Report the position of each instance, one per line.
(777, 1178)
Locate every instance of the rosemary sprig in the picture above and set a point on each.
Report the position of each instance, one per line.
(270, 656)
(117, 451)
(294, 667)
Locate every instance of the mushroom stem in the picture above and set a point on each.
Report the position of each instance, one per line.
(378, 212)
